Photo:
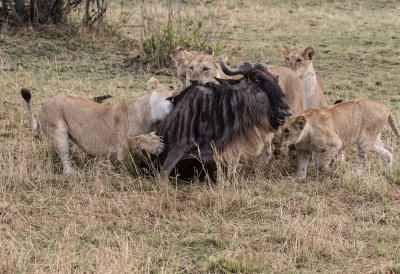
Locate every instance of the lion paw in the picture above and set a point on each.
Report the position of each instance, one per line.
(156, 144)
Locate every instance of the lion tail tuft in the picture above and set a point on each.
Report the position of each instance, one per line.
(26, 94)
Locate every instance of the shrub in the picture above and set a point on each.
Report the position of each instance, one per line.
(159, 36)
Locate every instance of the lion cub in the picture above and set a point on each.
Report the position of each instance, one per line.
(326, 131)
(302, 63)
(102, 130)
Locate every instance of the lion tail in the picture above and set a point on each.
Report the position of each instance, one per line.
(393, 125)
(26, 94)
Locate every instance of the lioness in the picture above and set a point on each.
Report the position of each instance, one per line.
(181, 58)
(101, 130)
(302, 63)
(326, 131)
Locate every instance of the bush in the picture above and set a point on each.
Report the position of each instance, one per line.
(18, 12)
(159, 38)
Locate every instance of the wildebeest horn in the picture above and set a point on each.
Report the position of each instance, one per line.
(242, 69)
(261, 64)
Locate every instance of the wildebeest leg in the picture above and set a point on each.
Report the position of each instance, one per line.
(174, 156)
(211, 170)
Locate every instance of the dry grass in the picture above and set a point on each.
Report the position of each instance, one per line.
(107, 220)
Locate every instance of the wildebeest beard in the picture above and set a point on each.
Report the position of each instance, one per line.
(275, 95)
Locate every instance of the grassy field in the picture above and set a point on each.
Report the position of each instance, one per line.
(108, 220)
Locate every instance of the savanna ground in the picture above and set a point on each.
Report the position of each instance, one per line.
(108, 220)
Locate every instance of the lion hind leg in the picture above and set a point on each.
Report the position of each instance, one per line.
(59, 138)
(385, 154)
(364, 147)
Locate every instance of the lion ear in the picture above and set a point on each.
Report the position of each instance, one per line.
(285, 51)
(180, 55)
(208, 50)
(187, 56)
(223, 57)
(177, 54)
(300, 122)
(153, 83)
(309, 53)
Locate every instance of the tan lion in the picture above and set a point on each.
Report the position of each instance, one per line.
(324, 132)
(182, 57)
(302, 63)
(100, 130)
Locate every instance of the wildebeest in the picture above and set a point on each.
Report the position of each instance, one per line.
(204, 67)
(232, 121)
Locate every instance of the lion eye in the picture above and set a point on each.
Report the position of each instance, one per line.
(287, 59)
(205, 69)
(298, 61)
(191, 68)
(286, 132)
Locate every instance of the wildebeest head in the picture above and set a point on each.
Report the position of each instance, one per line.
(256, 77)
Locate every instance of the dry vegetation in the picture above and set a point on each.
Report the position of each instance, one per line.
(108, 220)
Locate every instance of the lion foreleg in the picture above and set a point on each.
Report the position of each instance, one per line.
(326, 157)
(303, 158)
(266, 153)
(150, 143)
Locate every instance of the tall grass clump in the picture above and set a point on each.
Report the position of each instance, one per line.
(164, 28)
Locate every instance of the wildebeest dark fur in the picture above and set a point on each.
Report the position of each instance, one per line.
(231, 121)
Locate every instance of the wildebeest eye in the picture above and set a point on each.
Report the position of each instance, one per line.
(205, 69)
(298, 61)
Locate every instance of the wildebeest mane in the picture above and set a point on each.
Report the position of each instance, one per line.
(218, 89)
(175, 99)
